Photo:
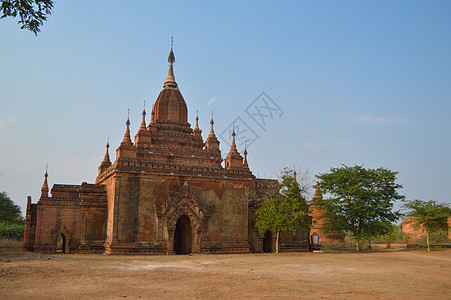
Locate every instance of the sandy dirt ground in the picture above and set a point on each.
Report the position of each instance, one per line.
(414, 274)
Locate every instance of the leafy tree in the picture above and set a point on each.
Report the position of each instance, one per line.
(358, 200)
(286, 210)
(429, 216)
(9, 212)
(32, 13)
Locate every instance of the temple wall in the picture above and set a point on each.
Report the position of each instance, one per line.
(149, 228)
(413, 234)
(449, 227)
(410, 232)
(30, 226)
(138, 213)
(142, 210)
(93, 228)
(122, 229)
(254, 237)
(77, 213)
(53, 219)
(337, 237)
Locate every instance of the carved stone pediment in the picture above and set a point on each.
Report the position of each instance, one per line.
(185, 193)
(185, 200)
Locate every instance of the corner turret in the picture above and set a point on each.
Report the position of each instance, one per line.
(106, 163)
(45, 186)
(234, 159)
(126, 148)
(143, 136)
(212, 143)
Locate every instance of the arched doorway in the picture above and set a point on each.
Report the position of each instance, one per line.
(61, 244)
(315, 238)
(267, 242)
(183, 236)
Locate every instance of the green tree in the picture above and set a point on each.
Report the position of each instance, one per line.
(9, 212)
(358, 200)
(429, 216)
(286, 210)
(32, 13)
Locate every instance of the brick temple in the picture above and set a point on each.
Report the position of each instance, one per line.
(167, 192)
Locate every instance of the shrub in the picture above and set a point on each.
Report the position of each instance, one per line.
(439, 236)
(391, 235)
(11, 231)
(407, 237)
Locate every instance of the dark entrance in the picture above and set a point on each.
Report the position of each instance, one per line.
(267, 242)
(182, 236)
(61, 244)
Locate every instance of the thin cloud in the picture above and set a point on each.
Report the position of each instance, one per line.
(4, 122)
(370, 120)
(315, 145)
(213, 100)
(210, 102)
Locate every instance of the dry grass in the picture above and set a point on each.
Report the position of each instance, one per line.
(10, 244)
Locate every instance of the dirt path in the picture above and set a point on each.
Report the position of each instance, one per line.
(385, 275)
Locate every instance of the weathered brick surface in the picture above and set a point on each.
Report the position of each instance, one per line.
(413, 234)
(76, 212)
(449, 228)
(410, 232)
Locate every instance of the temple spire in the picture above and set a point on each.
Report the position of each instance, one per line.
(106, 158)
(233, 139)
(170, 79)
(143, 123)
(197, 132)
(45, 186)
(211, 123)
(106, 163)
(197, 121)
(127, 140)
(318, 194)
(212, 142)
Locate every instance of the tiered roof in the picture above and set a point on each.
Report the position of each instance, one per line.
(168, 144)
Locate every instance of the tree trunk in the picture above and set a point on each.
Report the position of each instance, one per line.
(277, 242)
(357, 248)
(369, 244)
(427, 241)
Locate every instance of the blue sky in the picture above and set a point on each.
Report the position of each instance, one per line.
(357, 82)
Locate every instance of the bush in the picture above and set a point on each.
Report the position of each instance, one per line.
(392, 234)
(438, 237)
(407, 237)
(11, 231)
